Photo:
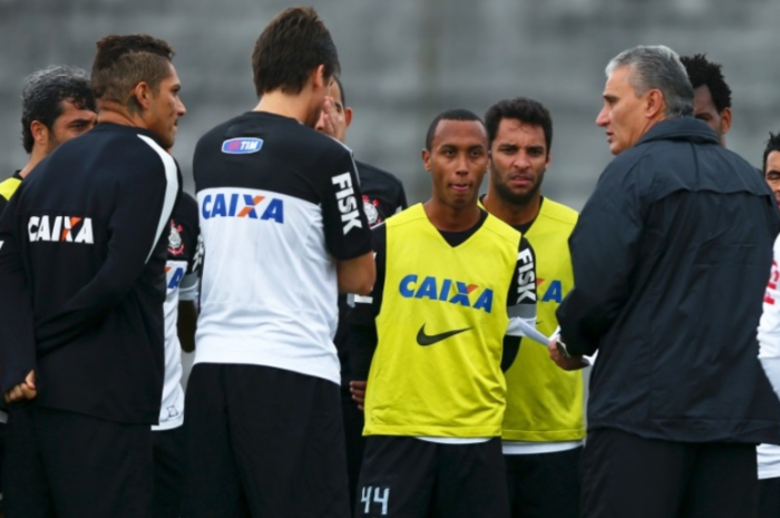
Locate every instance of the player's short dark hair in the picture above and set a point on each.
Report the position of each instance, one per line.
(43, 93)
(457, 114)
(523, 109)
(703, 72)
(337, 79)
(122, 62)
(290, 48)
(773, 144)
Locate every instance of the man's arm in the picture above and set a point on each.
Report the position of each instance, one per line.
(17, 339)
(604, 250)
(145, 198)
(362, 337)
(769, 325)
(357, 275)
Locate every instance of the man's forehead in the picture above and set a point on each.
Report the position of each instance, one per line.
(510, 128)
(459, 133)
(702, 97)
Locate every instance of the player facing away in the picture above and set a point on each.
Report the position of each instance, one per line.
(383, 196)
(544, 425)
(449, 279)
(82, 269)
(284, 232)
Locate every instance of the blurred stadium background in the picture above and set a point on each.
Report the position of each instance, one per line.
(405, 60)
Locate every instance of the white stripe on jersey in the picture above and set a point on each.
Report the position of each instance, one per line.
(171, 190)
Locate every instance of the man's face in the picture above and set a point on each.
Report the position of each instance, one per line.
(623, 114)
(165, 109)
(71, 123)
(457, 161)
(704, 108)
(518, 161)
(772, 173)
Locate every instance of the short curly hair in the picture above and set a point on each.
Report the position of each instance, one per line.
(773, 144)
(703, 72)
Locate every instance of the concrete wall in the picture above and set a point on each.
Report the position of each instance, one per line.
(405, 60)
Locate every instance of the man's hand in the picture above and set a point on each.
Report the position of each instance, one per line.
(334, 122)
(571, 363)
(24, 390)
(358, 390)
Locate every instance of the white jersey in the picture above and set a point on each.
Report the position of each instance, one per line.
(181, 270)
(769, 355)
(278, 203)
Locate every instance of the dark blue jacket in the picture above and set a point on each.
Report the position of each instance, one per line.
(671, 257)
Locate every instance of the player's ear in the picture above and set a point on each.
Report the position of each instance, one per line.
(40, 132)
(318, 79)
(426, 159)
(725, 120)
(348, 116)
(141, 96)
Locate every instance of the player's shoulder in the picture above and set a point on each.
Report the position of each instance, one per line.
(9, 186)
(555, 212)
(373, 173)
(186, 208)
(501, 230)
(412, 215)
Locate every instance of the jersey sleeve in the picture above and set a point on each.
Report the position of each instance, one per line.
(347, 234)
(362, 336)
(521, 301)
(146, 194)
(190, 233)
(769, 325)
(17, 335)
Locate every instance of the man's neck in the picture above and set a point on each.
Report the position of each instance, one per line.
(117, 114)
(449, 219)
(35, 157)
(279, 103)
(513, 214)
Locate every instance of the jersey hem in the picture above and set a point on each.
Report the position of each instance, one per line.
(204, 355)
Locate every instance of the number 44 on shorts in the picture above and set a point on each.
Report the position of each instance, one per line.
(381, 496)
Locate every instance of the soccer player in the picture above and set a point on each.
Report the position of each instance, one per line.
(771, 165)
(57, 105)
(383, 196)
(284, 232)
(768, 333)
(544, 424)
(670, 256)
(449, 277)
(82, 256)
(181, 270)
(711, 94)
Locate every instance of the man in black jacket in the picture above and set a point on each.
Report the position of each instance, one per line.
(82, 257)
(670, 257)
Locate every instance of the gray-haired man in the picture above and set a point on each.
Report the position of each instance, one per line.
(670, 257)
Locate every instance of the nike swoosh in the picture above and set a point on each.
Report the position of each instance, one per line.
(424, 339)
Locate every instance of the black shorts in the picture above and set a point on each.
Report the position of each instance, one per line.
(75, 466)
(263, 442)
(769, 498)
(168, 453)
(542, 485)
(405, 477)
(624, 475)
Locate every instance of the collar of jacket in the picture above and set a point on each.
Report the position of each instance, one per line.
(682, 128)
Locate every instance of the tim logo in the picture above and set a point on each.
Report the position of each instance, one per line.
(65, 229)
(242, 146)
(526, 277)
(447, 290)
(242, 205)
(347, 203)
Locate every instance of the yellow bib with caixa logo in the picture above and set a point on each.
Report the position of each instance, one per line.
(436, 371)
(544, 402)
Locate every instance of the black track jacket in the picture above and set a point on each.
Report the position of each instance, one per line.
(671, 257)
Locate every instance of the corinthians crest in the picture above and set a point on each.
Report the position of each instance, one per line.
(371, 210)
(175, 243)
